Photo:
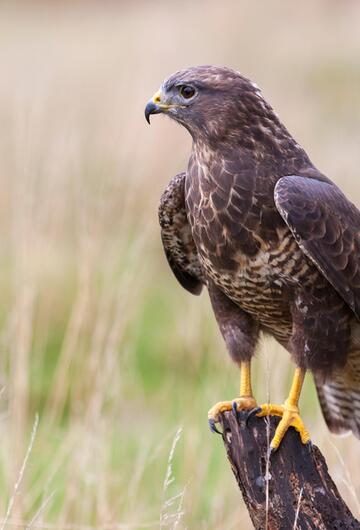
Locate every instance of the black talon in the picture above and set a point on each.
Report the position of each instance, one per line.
(212, 425)
(270, 451)
(235, 410)
(309, 446)
(251, 414)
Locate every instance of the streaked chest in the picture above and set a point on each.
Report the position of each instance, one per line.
(244, 245)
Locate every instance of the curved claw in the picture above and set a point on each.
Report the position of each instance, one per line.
(309, 445)
(235, 409)
(212, 425)
(252, 413)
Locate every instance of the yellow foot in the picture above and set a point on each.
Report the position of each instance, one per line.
(241, 403)
(290, 417)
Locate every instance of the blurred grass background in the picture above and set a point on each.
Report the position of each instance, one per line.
(96, 336)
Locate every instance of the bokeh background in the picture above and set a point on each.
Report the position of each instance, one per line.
(107, 367)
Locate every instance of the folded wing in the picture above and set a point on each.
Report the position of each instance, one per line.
(326, 226)
(179, 246)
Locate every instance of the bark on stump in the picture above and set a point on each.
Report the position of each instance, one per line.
(298, 478)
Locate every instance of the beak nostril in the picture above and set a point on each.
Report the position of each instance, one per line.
(157, 97)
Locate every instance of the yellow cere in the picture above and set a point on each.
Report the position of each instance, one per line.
(157, 97)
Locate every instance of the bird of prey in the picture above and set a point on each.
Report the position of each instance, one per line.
(274, 241)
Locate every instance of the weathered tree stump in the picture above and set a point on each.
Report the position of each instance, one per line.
(299, 492)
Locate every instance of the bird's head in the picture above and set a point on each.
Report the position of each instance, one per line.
(211, 102)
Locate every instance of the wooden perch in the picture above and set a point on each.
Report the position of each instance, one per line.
(299, 487)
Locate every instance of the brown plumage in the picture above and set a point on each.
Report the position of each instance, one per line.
(275, 242)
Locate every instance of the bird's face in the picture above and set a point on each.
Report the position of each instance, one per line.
(220, 107)
(201, 98)
(176, 98)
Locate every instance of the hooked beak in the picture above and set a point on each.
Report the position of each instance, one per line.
(154, 106)
(151, 108)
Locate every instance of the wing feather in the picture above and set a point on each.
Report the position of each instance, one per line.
(178, 243)
(326, 226)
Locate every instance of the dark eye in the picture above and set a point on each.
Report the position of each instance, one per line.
(187, 91)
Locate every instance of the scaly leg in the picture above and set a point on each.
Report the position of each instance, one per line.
(245, 401)
(289, 412)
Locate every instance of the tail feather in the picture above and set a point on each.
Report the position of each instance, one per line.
(340, 404)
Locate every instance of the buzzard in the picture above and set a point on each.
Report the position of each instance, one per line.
(274, 241)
